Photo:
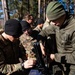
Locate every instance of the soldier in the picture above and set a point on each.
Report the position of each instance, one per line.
(27, 19)
(12, 54)
(64, 34)
(32, 48)
(28, 40)
(39, 24)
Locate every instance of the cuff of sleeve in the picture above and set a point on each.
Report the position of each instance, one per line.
(19, 66)
(60, 58)
(57, 58)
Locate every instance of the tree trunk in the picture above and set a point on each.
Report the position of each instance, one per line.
(44, 10)
(39, 8)
(4, 7)
(28, 6)
(7, 9)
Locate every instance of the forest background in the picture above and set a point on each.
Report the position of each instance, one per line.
(17, 8)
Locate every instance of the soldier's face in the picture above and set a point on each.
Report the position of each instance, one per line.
(59, 21)
(12, 39)
(30, 20)
(28, 31)
(56, 23)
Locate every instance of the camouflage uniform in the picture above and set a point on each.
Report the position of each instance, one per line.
(10, 54)
(27, 41)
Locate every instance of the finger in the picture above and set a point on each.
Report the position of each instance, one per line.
(30, 66)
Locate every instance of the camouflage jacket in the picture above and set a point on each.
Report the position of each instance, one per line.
(10, 54)
(27, 41)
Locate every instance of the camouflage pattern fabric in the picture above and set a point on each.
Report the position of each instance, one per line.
(1, 30)
(9, 56)
(27, 41)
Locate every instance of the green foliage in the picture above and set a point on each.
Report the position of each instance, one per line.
(18, 6)
(23, 6)
(34, 7)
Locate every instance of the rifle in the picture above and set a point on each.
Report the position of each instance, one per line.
(51, 48)
(40, 62)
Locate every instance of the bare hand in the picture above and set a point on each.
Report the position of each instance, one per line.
(29, 63)
(52, 56)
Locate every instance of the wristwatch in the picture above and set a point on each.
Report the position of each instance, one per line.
(22, 64)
